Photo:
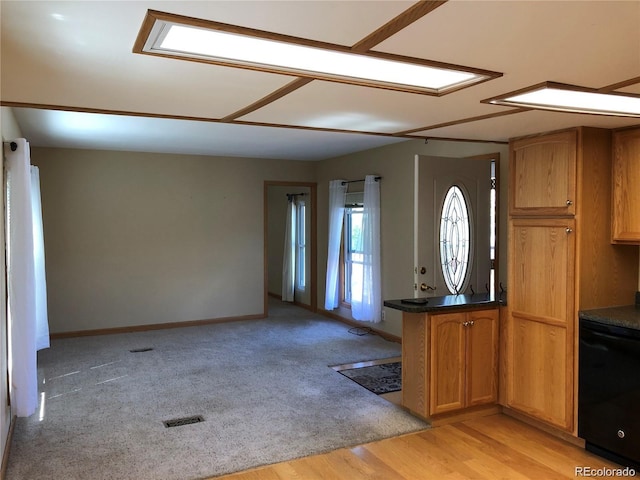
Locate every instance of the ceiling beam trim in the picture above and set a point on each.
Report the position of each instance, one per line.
(392, 27)
(272, 97)
(619, 85)
(397, 24)
(464, 120)
(103, 111)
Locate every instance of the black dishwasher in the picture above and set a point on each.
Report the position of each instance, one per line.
(609, 391)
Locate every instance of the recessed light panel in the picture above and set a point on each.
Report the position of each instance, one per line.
(569, 98)
(229, 45)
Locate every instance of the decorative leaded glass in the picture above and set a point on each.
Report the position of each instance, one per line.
(454, 239)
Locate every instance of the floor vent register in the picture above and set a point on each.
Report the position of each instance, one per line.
(178, 422)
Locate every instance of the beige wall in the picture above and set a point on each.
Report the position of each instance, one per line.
(138, 238)
(10, 130)
(134, 239)
(395, 163)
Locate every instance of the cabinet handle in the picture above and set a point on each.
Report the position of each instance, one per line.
(568, 230)
(465, 324)
(471, 323)
(569, 203)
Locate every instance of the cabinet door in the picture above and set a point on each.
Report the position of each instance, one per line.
(541, 268)
(541, 380)
(482, 357)
(541, 319)
(543, 175)
(626, 186)
(447, 358)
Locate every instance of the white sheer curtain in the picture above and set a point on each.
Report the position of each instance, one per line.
(42, 321)
(26, 299)
(368, 306)
(289, 256)
(337, 195)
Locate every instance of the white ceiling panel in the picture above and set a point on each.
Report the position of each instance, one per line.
(588, 43)
(77, 55)
(57, 129)
(333, 105)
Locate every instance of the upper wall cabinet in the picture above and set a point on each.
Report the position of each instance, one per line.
(626, 186)
(543, 175)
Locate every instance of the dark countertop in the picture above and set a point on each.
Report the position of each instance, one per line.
(627, 316)
(447, 302)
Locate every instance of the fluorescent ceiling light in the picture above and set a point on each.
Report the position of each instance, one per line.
(569, 98)
(222, 44)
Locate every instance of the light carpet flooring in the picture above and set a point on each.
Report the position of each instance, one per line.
(264, 388)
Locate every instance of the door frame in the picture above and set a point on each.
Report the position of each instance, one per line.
(495, 156)
(313, 254)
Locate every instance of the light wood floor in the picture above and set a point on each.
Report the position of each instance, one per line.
(494, 447)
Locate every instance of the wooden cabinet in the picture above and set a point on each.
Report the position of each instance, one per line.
(626, 186)
(463, 360)
(447, 350)
(543, 175)
(449, 361)
(561, 260)
(542, 327)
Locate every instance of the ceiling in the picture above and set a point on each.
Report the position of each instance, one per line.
(72, 79)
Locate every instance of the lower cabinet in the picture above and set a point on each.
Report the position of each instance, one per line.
(540, 328)
(450, 361)
(464, 360)
(541, 367)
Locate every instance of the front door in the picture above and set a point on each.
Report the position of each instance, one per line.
(466, 265)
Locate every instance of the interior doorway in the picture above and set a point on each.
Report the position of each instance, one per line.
(296, 201)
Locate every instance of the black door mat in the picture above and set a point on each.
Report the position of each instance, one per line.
(379, 379)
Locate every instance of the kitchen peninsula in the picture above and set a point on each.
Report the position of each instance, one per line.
(449, 355)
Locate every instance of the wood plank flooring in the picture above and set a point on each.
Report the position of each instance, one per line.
(494, 447)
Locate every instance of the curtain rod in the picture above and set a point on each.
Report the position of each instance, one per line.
(291, 196)
(361, 180)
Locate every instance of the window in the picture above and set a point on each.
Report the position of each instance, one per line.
(301, 245)
(455, 239)
(352, 252)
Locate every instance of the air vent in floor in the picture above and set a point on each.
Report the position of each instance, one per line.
(140, 350)
(178, 422)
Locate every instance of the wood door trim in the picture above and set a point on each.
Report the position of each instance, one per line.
(313, 193)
